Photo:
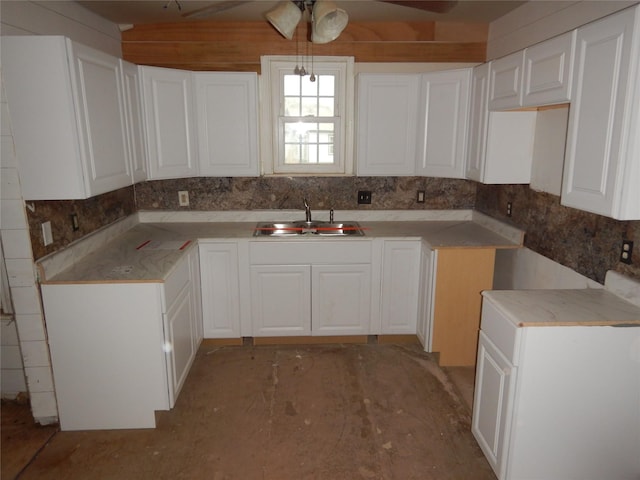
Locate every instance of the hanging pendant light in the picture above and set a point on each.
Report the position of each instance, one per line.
(285, 18)
(328, 21)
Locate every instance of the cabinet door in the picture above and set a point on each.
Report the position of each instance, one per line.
(196, 288)
(227, 113)
(135, 121)
(600, 176)
(505, 82)
(220, 287)
(179, 340)
(427, 291)
(387, 121)
(492, 404)
(281, 300)
(169, 123)
(444, 120)
(341, 299)
(102, 119)
(547, 71)
(478, 120)
(400, 286)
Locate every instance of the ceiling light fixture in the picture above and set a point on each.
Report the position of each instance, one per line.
(327, 20)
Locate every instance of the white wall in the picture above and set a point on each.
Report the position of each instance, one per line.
(536, 21)
(66, 18)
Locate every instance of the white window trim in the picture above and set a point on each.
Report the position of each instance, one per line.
(270, 109)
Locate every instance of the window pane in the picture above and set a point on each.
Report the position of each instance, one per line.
(309, 88)
(292, 154)
(292, 85)
(326, 85)
(326, 107)
(309, 106)
(292, 106)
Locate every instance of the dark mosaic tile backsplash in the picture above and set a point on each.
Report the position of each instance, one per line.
(587, 243)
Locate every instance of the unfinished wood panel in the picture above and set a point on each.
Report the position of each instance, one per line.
(239, 45)
(461, 275)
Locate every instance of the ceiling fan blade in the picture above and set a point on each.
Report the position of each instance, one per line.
(435, 6)
(215, 8)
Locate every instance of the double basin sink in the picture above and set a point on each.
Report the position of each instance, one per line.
(297, 228)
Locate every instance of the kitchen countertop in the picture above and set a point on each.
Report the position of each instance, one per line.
(147, 252)
(581, 307)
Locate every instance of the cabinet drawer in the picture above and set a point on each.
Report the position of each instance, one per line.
(501, 331)
(306, 252)
(176, 281)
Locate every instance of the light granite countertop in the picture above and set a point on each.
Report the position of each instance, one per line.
(581, 307)
(145, 249)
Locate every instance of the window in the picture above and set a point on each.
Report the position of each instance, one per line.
(307, 124)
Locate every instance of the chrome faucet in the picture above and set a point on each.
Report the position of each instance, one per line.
(331, 216)
(307, 210)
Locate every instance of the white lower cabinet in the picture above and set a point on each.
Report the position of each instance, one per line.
(426, 295)
(400, 286)
(121, 351)
(301, 288)
(220, 289)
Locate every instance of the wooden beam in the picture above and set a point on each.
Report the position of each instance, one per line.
(239, 45)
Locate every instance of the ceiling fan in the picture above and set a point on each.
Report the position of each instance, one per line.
(327, 19)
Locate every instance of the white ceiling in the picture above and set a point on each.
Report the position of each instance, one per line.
(159, 11)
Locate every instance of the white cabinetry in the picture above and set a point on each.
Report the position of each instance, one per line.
(544, 405)
(400, 286)
(227, 119)
(426, 295)
(505, 82)
(500, 143)
(444, 114)
(170, 123)
(387, 119)
(135, 121)
(311, 288)
(221, 289)
(113, 367)
(68, 115)
(548, 68)
(602, 171)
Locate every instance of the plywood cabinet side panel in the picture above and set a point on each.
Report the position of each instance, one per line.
(460, 277)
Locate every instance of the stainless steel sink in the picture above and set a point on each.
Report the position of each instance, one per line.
(321, 229)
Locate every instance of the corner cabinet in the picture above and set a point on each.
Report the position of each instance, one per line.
(68, 106)
(170, 123)
(227, 122)
(114, 367)
(301, 288)
(602, 167)
(500, 143)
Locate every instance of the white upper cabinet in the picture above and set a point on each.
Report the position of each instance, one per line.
(500, 143)
(68, 115)
(227, 119)
(170, 123)
(387, 119)
(505, 82)
(135, 121)
(548, 68)
(602, 161)
(443, 124)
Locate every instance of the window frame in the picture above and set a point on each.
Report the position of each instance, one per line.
(271, 118)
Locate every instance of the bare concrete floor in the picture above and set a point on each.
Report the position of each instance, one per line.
(289, 412)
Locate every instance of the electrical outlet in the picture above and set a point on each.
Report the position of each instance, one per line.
(75, 225)
(420, 196)
(47, 236)
(183, 198)
(509, 208)
(364, 196)
(627, 250)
